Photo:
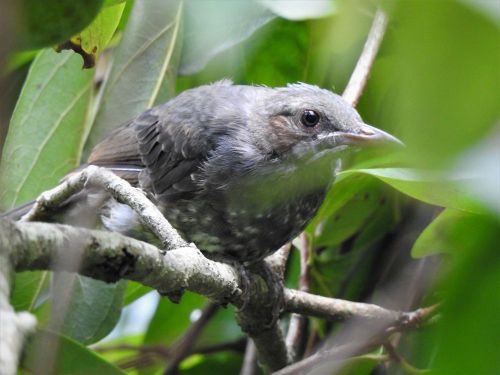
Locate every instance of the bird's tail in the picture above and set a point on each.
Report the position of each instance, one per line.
(17, 212)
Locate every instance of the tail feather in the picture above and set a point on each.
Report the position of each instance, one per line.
(17, 212)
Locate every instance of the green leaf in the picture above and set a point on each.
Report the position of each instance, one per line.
(47, 127)
(219, 363)
(343, 267)
(94, 307)
(45, 23)
(349, 218)
(28, 287)
(72, 358)
(141, 65)
(467, 335)
(209, 31)
(98, 34)
(446, 74)
(429, 187)
(221, 328)
(452, 231)
(360, 365)
(171, 320)
(342, 191)
(264, 62)
(134, 291)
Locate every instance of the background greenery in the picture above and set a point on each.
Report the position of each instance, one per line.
(434, 84)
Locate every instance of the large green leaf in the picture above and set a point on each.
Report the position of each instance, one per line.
(141, 65)
(46, 130)
(72, 358)
(446, 77)
(28, 288)
(93, 309)
(209, 31)
(43, 23)
(429, 187)
(467, 335)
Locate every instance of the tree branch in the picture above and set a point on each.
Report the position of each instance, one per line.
(336, 356)
(111, 256)
(361, 72)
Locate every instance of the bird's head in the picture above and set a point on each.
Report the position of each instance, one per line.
(293, 140)
(304, 120)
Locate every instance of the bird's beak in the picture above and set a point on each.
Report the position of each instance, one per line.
(368, 135)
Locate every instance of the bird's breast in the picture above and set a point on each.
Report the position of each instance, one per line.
(241, 232)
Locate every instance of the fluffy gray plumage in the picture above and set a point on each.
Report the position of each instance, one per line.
(210, 156)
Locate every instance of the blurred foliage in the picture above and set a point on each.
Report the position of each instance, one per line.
(44, 23)
(434, 84)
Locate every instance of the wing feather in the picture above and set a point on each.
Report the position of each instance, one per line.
(156, 153)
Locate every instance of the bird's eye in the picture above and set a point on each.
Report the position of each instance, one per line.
(309, 118)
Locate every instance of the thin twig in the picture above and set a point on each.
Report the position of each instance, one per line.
(119, 189)
(277, 260)
(183, 347)
(361, 72)
(336, 356)
(298, 322)
(249, 366)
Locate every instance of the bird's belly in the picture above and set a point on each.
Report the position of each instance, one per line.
(242, 234)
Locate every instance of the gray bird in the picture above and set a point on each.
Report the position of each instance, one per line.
(238, 170)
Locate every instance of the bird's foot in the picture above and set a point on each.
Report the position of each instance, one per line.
(274, 283)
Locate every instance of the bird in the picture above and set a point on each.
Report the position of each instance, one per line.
(238, 170)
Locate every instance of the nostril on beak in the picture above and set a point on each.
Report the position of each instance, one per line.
(367, 131)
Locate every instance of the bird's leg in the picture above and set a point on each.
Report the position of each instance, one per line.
(261, 293)
(271, 303)
(274, 283)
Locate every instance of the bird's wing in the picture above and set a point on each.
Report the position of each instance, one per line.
(156, 153)
(119, 152)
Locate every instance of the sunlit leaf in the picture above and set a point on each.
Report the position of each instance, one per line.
(95, 37)
(429, 187)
